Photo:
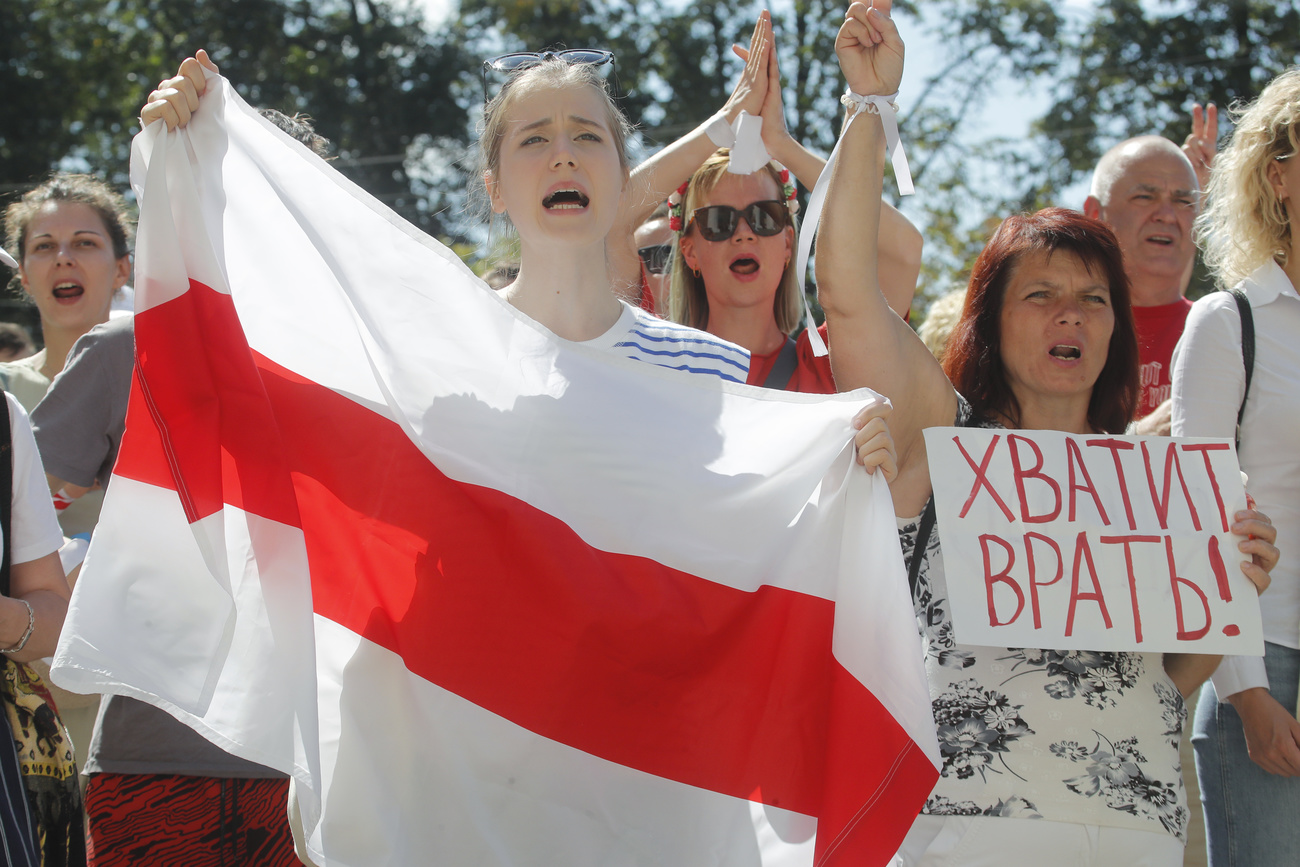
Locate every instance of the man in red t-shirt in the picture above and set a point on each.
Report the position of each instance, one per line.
(1147, 189)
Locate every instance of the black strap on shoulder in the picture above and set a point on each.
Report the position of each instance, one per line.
(6, 492)
(923, 531)
(1247, 351)
(783, 368)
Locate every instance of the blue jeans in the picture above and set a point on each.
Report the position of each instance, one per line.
(1252, 817)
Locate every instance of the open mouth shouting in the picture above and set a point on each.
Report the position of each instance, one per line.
(1161, 240)
(744, 266)
(1066, 352)
(568, 199)
(67, 290)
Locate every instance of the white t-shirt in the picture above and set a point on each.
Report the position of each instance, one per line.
(33, 527)
(645, 337)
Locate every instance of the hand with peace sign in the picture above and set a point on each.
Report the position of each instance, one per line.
(1202, 144)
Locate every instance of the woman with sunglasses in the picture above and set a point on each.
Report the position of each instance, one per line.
(733, 268)
(1050, 757)
(654, 246)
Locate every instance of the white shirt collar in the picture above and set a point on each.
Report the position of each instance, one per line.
(1267, 283)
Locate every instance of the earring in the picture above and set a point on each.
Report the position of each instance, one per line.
(697, 272)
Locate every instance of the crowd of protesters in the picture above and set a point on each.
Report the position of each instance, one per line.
(1073, 321)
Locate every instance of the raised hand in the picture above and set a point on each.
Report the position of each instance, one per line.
(1202, 144)
(751, 90)
(870, 50)
(176, 98)
(773, 111)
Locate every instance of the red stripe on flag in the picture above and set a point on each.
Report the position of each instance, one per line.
(504, 605)
(193, 364)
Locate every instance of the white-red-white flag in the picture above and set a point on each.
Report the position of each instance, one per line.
(490, 596)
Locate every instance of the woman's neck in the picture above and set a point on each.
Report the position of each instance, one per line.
(1067, 414)
(567, 291)
(58, 343)
(753, 327)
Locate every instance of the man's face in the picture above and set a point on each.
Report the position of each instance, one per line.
(1152, 205)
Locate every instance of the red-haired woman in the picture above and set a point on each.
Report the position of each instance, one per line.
(1080, 754)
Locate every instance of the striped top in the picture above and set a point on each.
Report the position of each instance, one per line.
(645, 337)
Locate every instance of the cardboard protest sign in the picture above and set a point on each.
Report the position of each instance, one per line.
(1092, 542)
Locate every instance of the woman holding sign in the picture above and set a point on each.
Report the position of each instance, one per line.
(1045, 752)
(1247, 738)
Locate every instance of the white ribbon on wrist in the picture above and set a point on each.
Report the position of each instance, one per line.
(873, 104)
(744, 137)
(887, 109)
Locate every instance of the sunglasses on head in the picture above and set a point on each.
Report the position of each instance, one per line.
(655, 257)
(510, 63)
(719, 222)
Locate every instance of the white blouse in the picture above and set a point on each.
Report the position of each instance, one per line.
(1029, 733)
(33, 526)
(1209, 379)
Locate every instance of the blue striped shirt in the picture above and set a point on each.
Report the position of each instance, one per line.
(645, 337)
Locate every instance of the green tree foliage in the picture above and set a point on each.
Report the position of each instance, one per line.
(805, 36)
(1134, 68)
(76, 72)
(1123, 68)
(1138, 67)
(673, 68)
(965, 186)
(400, 100)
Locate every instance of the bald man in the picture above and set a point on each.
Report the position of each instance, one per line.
(1146, 190)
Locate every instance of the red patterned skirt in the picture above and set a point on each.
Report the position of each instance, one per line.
(164, 820)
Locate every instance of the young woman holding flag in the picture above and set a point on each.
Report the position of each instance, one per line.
(553, 162)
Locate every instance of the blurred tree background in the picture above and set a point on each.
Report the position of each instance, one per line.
(399, 98)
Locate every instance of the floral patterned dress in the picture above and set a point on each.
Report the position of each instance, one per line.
(1068, 735)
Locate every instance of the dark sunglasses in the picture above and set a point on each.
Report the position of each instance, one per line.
(719, 222)
(510, 63)
(655, 257)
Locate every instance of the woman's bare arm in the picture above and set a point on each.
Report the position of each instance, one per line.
(871, 346)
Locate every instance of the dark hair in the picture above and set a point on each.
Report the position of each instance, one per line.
(15, 342)
(78, 189)
(300, 127)
(973, 359)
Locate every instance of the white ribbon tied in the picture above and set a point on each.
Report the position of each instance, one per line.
(884, 106)
(874, 104)
(745, 138)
